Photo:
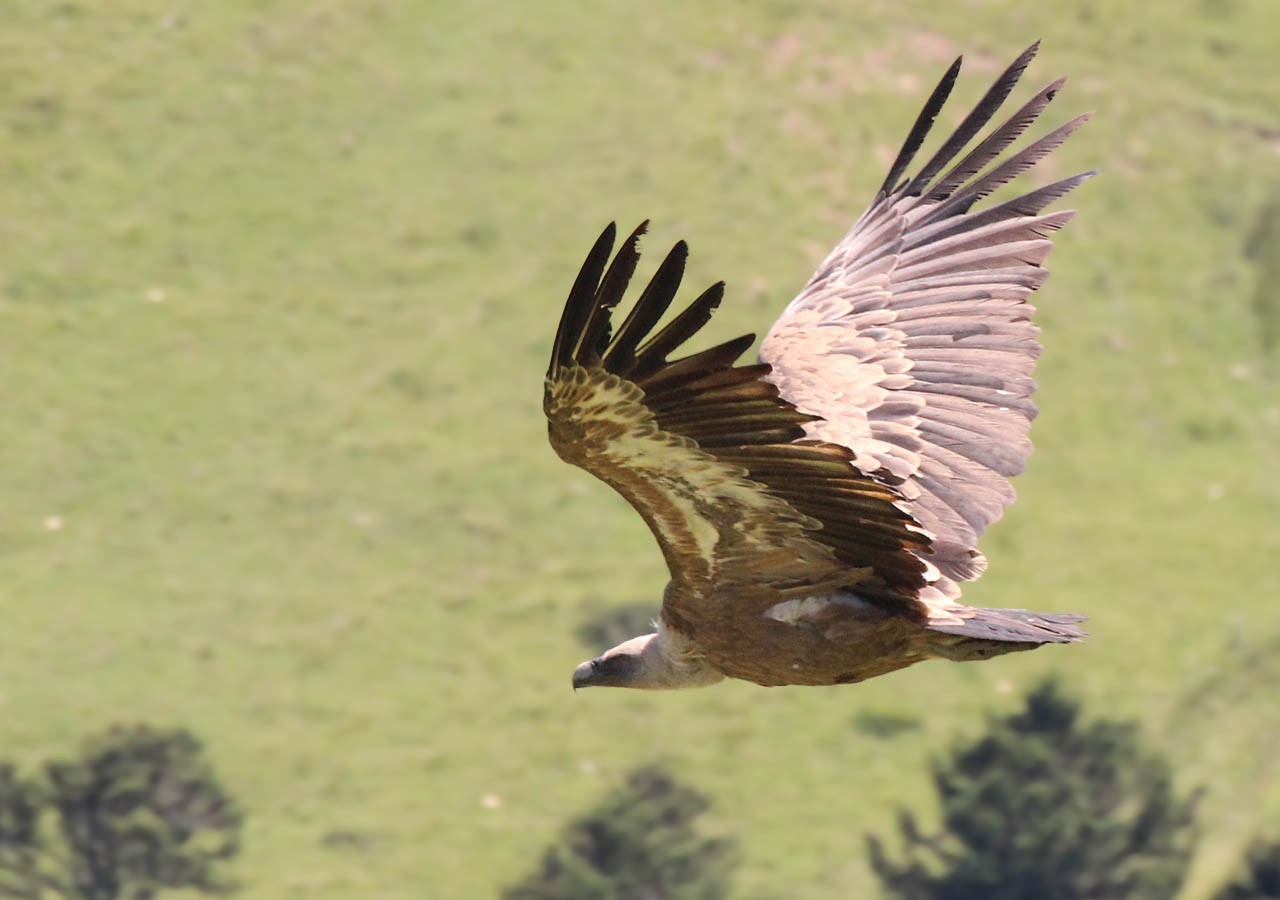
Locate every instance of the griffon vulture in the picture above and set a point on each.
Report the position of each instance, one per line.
(819, 510)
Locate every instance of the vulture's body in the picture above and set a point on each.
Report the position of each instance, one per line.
(819, 510)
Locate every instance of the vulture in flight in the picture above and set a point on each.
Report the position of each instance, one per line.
(819, 510)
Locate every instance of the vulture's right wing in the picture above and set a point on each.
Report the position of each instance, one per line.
(912, 345)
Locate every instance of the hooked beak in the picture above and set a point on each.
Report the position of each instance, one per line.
(582, 675)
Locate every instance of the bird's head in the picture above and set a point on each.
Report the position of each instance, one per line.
(649, 662)
(626, 665)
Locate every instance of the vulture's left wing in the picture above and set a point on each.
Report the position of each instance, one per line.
(913, 344)
(705, 449)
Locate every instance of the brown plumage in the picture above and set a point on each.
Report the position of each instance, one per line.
(818, 510)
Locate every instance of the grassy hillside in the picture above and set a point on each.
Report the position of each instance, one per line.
(277, 284)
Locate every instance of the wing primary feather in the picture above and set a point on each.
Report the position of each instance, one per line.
(652, 355)
(706, 411)
(847, 506)
(595, 334)
(709, 414)
(996, 398)
(996, 142)
(920, 130)
(757, 435)
(1002, 174)
(689, 368)
(725, 376)
(727, 394)
(620, 358)
(815, 457)
(978, 117)
(1028, 205)
(579, 307)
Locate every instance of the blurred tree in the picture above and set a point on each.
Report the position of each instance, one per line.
(21, 856)
(1047, 808)
(138, 812)
(638, 844)
(1263, 249)
(1261, 878)
(881, 724)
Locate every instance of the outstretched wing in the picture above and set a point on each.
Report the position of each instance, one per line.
(912, 345)
(706, 450)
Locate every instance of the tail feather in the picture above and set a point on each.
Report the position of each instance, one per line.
(1018, 626)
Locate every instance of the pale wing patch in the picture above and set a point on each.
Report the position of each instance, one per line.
(844, 365)
(838, 616)
(809, 610)
(705, 513)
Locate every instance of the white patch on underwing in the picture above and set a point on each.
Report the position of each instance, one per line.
(807, 610)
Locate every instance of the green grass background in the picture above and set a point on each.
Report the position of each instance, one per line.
(277, 285)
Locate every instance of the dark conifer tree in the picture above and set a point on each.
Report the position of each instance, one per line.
(1047, 807)
(1261, 877)
(137, 813)
(639, 843)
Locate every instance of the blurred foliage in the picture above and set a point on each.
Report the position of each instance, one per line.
(138, 813)
(1261, 877)
(885, 724)
(21, 856)
(640, 843)
(1045, 807)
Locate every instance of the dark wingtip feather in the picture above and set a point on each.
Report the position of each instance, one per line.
(920, 130)
(653, 354)
(653, 302)
(959, 203)
(995, 143)
(595, 333)
(578, 307)
(974, 122)
(721, 357)
(584, 338)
